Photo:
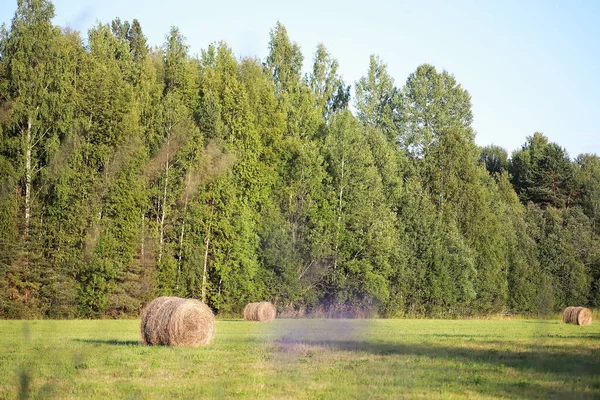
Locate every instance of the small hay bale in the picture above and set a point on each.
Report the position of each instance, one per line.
(573, 315)
(567, 314)
(261, 311)
(584, 317)
(577, 315)
(173, 321)
(249, 311)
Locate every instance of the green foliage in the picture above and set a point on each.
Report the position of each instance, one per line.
(364, 238)
(284, 62)
(523, 264)
(587, 177)
(432, 105)
(9, 241)
(376, 98)
(543, 173)
(564, 252)
(331, 92)
(495, 159)
(128, 172)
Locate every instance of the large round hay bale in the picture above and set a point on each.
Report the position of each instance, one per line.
(261, 311)
(577, 315)
(173, 321)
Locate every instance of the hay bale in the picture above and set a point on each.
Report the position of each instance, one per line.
(266, 312)
(249, 311)
(584, 317)
(173, 321)
(574, 313)
(261, 311)
(567, 314)
(577, 315)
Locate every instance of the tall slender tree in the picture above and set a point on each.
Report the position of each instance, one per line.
(331, 92)
(376, 98)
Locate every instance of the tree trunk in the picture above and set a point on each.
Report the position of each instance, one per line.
(142, 255)
(204, 273)
(181, 236)
(28, 146)
(164, 208)
(339, 218)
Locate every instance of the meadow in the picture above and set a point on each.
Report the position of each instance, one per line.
(304, 359)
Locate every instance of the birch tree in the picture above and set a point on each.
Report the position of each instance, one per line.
(32, 62)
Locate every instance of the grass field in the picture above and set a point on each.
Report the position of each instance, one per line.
(305, 359)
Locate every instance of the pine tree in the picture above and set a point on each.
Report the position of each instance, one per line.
(587, 177)
(542, 172)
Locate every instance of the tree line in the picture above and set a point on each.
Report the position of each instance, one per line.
(129, 172)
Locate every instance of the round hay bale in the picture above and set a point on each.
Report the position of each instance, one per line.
(151, 317)
(584, 317)
(570, 314)
(574, 314)
(577, 315)
(173, 321)
(567, 314)
(249, 311)
(192, 323)
(266, 312)
(261, 311)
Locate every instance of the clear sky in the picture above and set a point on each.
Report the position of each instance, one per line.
(529, 65)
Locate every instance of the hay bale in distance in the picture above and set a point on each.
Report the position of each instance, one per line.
(577, 315)
(573, 314)
(261, 311)
(584, 317)
(173, 321)
(567, 314)
(249, 311)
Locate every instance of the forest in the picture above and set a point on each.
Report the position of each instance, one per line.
(129, 171)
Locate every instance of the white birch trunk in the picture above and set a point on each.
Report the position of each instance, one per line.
(28, 146)
(181, 236)
(339, 218)
(204, 273)
(164, 208)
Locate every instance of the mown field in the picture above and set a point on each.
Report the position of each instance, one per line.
(305, 359)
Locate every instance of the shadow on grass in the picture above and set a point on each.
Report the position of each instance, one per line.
(454, 335)
(561, 336)
(111, 342)
(535, 335)
(540, 322)
(576, 368)
(533, 358)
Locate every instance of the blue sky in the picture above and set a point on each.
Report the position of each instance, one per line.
(528, 65)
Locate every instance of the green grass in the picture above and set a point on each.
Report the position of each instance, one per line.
(305, 359)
